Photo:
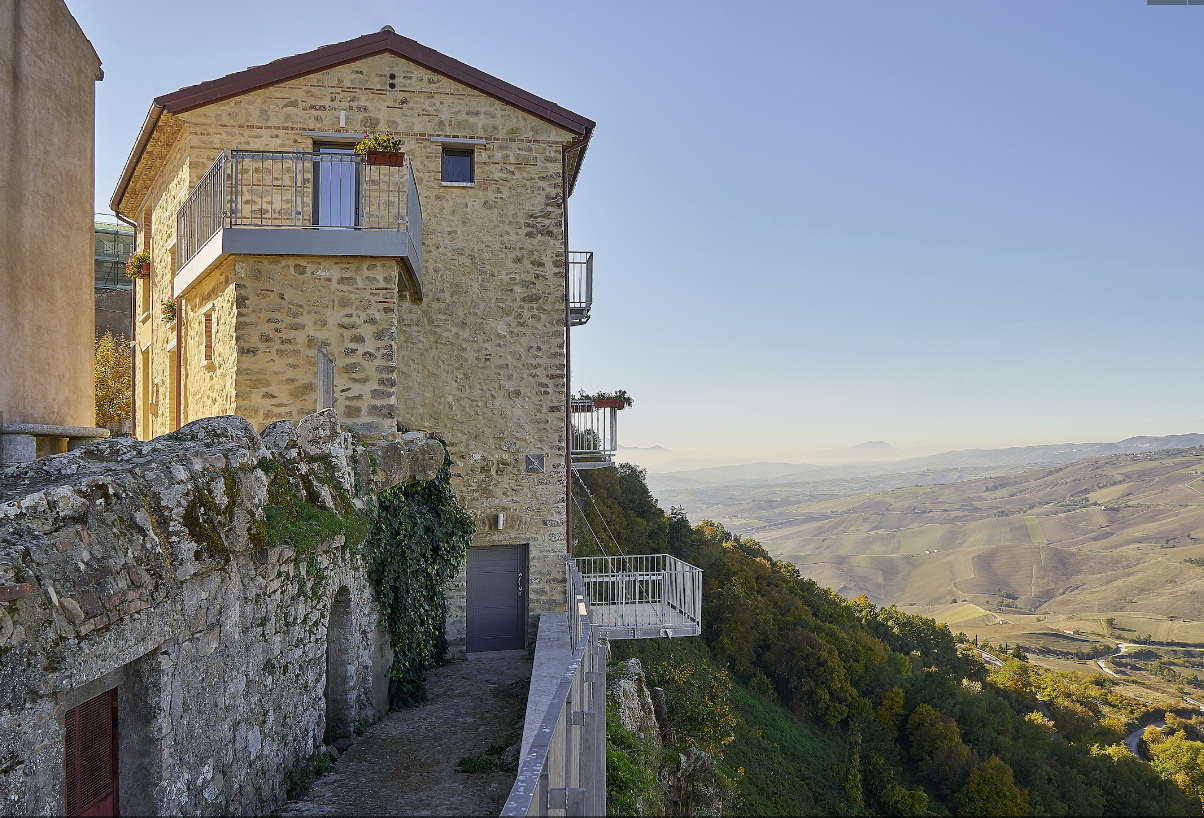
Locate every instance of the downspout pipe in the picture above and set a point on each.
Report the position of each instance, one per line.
(133, 336)
(179, 358)
(568, 334)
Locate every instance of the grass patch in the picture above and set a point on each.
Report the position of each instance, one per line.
(301, 777)
(1034, 531)
(632, 787)
(778, 764)
(789, 767)
(487, 762)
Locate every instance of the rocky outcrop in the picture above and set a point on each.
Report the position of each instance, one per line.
(628, 691)
(689, 782)
(207, 577)
(691, 785)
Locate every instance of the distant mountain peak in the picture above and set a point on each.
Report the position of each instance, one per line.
(874, 444)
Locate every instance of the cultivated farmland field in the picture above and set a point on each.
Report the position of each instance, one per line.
(1095, 539)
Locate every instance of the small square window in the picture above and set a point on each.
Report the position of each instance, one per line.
(458, 167)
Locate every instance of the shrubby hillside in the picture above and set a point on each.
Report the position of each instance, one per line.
(837, 706)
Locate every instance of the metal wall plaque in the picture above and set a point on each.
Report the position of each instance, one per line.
(535, 464)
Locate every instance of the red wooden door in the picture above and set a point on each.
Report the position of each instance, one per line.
(91, 759)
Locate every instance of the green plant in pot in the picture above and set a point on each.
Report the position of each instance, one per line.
(169, 311)
(382, 148)
(138, 265)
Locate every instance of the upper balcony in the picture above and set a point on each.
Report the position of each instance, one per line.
(300, 203)
(581, 286)
(595, 425)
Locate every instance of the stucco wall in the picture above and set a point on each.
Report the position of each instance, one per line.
(150, 571)
(48, 72)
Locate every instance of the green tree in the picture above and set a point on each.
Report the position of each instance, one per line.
(111, 368)
(991, 790)
(890, 710)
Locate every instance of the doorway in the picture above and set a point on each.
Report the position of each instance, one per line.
(339, 693)
(497, 598)
(90, 760)
(336, 187)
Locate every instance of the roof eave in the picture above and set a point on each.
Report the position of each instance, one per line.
(331, 56)
(131, 164)
(580, 160)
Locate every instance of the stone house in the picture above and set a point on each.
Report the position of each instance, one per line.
(423, 294)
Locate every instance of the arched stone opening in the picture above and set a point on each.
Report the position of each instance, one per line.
(340, 672)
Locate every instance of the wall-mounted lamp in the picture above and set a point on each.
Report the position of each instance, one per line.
(499, 521)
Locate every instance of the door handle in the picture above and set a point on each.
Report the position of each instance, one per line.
(520, 584)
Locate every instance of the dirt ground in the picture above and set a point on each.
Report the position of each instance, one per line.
(407, 764)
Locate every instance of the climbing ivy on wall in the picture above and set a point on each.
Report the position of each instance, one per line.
(418, 543)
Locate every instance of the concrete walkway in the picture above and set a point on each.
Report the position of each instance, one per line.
(407, 764)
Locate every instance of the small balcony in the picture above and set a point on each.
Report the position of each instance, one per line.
(300, 203)
(581, 286)
(642, 597)
(595, 432)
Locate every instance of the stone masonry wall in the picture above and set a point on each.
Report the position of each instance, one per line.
(481, 358)
(150, 571)
(288, 307)
(170, 188)
(209, 388)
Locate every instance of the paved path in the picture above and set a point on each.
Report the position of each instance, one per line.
(406, 765)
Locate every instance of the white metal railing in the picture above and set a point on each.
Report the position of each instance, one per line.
(299, 189)
(581, 285)
(594, 432)
(564, 770)
(644, 596)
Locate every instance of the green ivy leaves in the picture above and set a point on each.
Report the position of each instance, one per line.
(417, 545)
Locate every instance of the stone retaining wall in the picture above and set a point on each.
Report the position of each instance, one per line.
(152, 569)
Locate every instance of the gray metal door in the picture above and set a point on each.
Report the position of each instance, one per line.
(497, 598)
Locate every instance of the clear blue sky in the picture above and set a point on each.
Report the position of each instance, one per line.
(946, 224)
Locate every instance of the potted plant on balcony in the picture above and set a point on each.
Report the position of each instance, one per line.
(138, 265)
(382, 149)
(169, 311)
(608, 400)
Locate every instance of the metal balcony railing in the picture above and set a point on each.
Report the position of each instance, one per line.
(594, 431)
(298, 189)
(563, 772)
(581, 286)
(642, 597)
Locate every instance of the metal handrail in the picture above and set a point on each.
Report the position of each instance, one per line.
(299, 189)
(564, 770)
(581, 285)
(644, 595)
(594, 431)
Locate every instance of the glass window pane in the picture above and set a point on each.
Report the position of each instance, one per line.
(457, 166)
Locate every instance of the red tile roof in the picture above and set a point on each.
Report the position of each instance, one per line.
(328, 56)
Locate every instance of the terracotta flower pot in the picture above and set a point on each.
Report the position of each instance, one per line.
(394, 160)
(609, 403)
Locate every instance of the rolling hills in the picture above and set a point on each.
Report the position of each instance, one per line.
(1106, 535)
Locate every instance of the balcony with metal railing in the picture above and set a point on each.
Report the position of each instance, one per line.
(300, 203)
(594, 432)
(581, 286)
(642, 597)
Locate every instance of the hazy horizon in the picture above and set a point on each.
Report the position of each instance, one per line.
(943, 224)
